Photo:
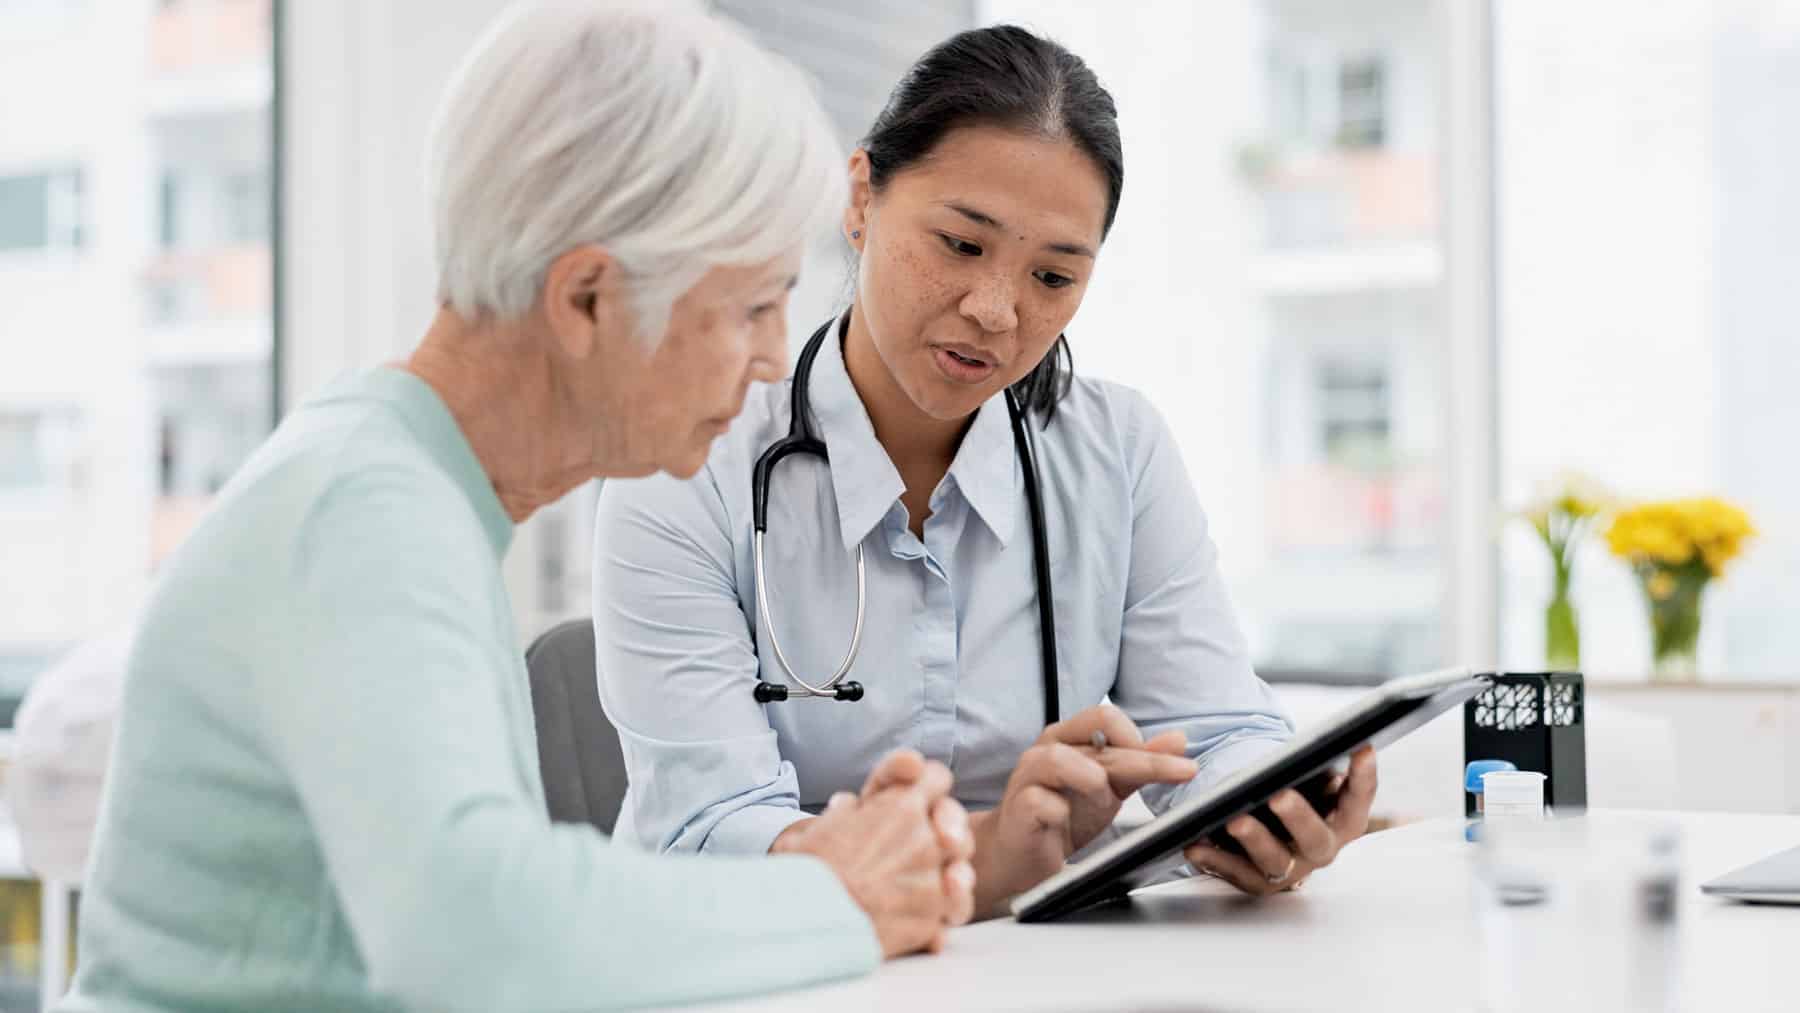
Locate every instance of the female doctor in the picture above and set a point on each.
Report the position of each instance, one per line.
(979, 203)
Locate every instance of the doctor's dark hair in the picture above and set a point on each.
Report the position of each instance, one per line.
(1007, 77)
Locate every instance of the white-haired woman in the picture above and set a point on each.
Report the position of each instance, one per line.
(324, 792)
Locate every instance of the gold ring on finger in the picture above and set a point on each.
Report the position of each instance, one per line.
(1285, 873)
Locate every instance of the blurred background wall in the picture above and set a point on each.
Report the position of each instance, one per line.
(1282, 282)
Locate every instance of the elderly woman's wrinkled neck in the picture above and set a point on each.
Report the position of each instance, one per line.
(501, 384)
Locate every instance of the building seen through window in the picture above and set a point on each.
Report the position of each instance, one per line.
(136, 280)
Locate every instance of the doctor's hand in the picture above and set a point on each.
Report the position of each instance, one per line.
(1274, 866)
(1064, 791)
(901, 849)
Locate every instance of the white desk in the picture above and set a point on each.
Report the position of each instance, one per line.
(1391, 926)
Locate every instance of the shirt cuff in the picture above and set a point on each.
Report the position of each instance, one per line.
(751, 830)
(1222, 761)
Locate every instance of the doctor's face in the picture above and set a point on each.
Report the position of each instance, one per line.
(974, 260)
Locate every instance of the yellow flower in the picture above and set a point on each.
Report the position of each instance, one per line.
(1674, 532)
(1661, 585)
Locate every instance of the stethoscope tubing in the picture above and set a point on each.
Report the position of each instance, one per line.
(801, 439)
(829, 688)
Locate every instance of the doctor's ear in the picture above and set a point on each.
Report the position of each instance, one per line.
(585, 300)
(856, 212)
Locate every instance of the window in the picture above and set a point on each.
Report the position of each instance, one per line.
(1290, 101)
(1275, 285)
(1648, 218)
(1361, 94)
(1353, 413)
(211, 416)
(553, 583)
(42, 211)
(36, 450)
(135, 377)
(168, 211)
(246, 205)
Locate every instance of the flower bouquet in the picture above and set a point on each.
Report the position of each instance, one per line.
(1676, 548)
(1562, 517)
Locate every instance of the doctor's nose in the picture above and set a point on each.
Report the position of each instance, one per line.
(990, 304)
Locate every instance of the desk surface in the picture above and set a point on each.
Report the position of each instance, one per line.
(1391, 926)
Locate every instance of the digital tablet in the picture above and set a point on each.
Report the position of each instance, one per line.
(1306, 764)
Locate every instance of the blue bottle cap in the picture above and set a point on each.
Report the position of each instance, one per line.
(1476, 768)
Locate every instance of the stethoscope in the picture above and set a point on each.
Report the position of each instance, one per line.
(802, 439)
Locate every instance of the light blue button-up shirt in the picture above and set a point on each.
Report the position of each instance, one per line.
(950, 655)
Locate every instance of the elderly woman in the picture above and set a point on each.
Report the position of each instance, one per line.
(325, 791)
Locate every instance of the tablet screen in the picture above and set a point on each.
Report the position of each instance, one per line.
(1382, 716)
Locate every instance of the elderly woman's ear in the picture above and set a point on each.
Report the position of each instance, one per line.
(585, 300)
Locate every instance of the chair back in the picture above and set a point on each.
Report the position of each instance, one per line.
(578, 749)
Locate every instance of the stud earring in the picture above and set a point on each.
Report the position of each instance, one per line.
(857, 234)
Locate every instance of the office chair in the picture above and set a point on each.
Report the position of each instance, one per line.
(578, 750)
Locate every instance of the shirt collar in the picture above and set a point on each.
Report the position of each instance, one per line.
(986, 468)
(865, 480)
(429, 419)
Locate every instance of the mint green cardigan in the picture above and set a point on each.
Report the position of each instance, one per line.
(324, 793)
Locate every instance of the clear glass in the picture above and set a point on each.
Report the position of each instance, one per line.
(1274, 284)
(1645, 223)
(1578, 913)
(136, 333)
(136, 276)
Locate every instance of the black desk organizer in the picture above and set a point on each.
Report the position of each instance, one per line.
(1535, 720)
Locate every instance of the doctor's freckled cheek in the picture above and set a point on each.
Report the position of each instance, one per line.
(915, 275)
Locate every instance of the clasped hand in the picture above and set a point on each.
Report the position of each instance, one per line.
(901, 848)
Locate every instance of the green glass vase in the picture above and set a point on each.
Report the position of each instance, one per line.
(1674, 597)
(1562, 632)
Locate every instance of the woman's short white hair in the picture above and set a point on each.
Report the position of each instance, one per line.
(648, 127)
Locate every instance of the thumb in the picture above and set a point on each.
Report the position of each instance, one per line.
(900, 767)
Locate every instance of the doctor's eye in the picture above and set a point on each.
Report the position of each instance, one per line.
(760, 311)
(960, 247)
(1053, 280)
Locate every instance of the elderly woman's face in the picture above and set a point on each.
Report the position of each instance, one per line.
(726, 332)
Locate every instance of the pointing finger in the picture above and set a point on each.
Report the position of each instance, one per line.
(1127, 770)
(1106, 719)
